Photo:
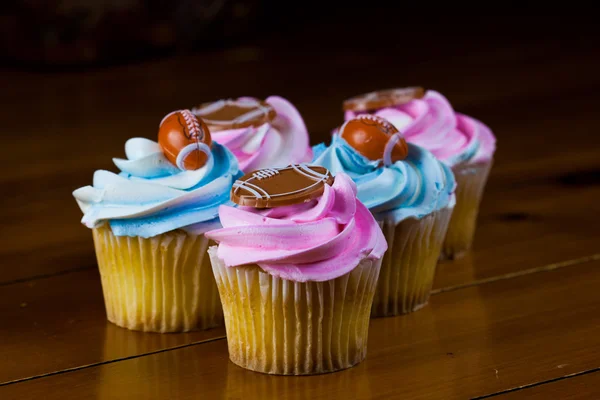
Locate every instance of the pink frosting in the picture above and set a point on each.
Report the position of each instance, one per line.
(277, 144)
(431, 123)
(318, 240)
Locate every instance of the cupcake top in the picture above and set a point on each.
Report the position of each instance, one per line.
(153, 195)
(428, 120)
(314, 228)
(260, 134)
(392, 187)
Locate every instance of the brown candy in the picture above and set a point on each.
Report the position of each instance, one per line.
(369, 135)
(383, 98)
(235, 114)
(182, 137)
(275, 187)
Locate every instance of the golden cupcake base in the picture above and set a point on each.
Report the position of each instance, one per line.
(277, 326)
(471, 180)
(408, 266)
(159, 284)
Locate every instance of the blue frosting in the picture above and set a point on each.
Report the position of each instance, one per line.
(413, 187)
(150, 196)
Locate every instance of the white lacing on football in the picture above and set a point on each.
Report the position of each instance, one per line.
(210, 108)
(259, 192)
(374, 118)
(265, 173)
(192, 124)
(255, 110)
(256, 191)
(370, 96)
(309, 173)
(389, 147)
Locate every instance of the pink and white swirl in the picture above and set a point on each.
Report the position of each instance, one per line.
(278, 143)
(432, 123)
(315, 241)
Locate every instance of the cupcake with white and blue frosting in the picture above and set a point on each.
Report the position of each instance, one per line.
(410, 193)
(148, 223)
(467, 145)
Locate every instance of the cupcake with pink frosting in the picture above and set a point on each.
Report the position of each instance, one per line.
(427, 119)
(296, 266)
(261, 134)
(411, 195)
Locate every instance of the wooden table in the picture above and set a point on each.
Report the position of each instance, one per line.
(517, 318)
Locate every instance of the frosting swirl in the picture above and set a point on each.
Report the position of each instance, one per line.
(278, 143)
(317, 240)
(413, 187)
(151, 196)
(431, 123)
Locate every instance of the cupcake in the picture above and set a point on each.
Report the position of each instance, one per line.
(410, 194)
(464, 143)
(296, 266)
(148, 224)
(261, 134)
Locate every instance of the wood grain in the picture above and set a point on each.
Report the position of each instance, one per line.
(59, 322)
(536, 198)
(82, 120)
(471, 342)
(486, 332)
(63, 333)
(60, 243)
(581, 387)
(516, 229)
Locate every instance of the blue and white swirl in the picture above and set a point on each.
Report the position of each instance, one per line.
(150, 196)
(413, 187)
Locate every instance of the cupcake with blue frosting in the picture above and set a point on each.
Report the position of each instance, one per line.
(148, 223)
(411, 195)
(465, 144)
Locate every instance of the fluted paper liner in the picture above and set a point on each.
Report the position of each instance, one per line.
(159, 284)
(471, 180)
(278, 326)
(409, 265)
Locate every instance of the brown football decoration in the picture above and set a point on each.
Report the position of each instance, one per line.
(371, 136)
(383, 98)
(185, 140)
(235, 114)
(275, 187)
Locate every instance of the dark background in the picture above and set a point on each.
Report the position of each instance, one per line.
(118, 66)
(60, 34)
(76, 83)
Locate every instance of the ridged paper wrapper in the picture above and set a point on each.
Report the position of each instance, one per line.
(409, 265)
(158, 284)
(278, 326)
(470, 180)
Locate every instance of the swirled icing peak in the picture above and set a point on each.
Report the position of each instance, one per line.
(432, 123)
(151, 196)
(413, 187)
(318, 240)
(260, 138)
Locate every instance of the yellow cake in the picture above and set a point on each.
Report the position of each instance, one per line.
(408, 267)
(296, 270)
(159, 284)
(148, 223)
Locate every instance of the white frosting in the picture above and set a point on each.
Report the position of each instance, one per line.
(151, 196)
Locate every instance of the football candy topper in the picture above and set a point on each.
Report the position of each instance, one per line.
(275, 187)
(185, 140)
(375, 138)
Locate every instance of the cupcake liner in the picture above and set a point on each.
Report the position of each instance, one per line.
(471, 180)
(277, 326)
(159, 284)
(408, 266)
